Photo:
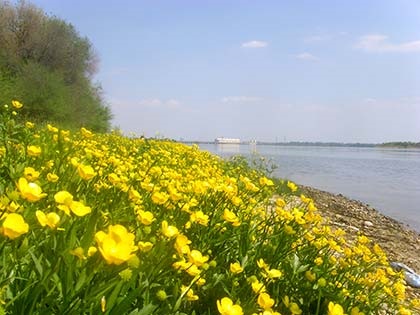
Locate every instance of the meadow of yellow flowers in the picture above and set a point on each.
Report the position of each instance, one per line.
(102, 223)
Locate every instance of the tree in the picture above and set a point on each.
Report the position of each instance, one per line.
(46, 64)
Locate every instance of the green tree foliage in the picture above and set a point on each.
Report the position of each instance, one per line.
(48, 66)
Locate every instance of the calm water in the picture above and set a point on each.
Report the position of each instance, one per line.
(386, 179)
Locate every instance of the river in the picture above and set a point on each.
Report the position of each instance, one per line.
(386, 179)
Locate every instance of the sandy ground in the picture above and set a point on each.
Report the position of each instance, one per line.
(399, 242)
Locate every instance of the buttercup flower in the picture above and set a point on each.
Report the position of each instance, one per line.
(189, 293)
(52, 177)
(199, 217)
(86, 133)
(29, 125)
(66, 203)
(226, 307)
(14, 226)
(33, 150)
(79, 209)
(17, 104)
(145, 246)
(159, 198)
(335, 309)
(30, 191)
(236, 268)
(195, 257)
(231, 217)
(51, 219)
(117, 246)
(30, 173)
(292, 186)
(169, 230)
(265, 301)
(145, 217)
(181, 244)
(86, 171)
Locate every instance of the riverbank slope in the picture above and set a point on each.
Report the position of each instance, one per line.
(399, 242)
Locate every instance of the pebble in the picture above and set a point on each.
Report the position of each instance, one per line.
(368, 224)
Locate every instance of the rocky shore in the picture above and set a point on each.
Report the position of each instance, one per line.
(399, 242)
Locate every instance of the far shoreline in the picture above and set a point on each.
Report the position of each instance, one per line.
(385, 145)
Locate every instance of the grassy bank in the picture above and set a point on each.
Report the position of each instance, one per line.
(99, 223)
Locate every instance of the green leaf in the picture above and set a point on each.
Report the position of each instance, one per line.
(37, 263)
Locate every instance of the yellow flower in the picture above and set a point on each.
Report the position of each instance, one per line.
(236, 268)
(159, 198)
(264, 181)
(274, 273)
(262, 264)
(231, 217)
(311, 276)
(292, 306)
(92, 251)
(335, 309)
(226, 307)
(79, 209)
(200, 218)
(145, 246)
(17, 104)
(30, 174)
(181, 244)
(14, 226)
(189, 293)
(280, 203)
(29, 125)
(318, 261)
(65, 199)
(292, 186)
(66, 203)
(86, 133)
(33, 150)
(145, 217)
(169, 230)
(52, 128)
(78, 252)
(116, 246)
(30, 191)
(265, 301)
(258, 287)
(51, 219)
(86, 171)
(52, 177)
(195, 257)
(295, 309)
(355, 311)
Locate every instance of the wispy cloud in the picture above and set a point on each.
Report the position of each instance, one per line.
(255, 44)
(306, 56)
(381, 43)
(240, 99)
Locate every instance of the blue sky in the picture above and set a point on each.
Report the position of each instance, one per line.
(346, 71)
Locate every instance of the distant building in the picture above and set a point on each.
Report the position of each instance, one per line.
(227, 140)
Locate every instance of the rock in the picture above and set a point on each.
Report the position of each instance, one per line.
(367, 224)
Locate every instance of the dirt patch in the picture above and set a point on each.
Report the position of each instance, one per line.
(399, 242)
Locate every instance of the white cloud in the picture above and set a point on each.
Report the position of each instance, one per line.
(381, 43)
(306, 56)
(255, 44)
(240, 99)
